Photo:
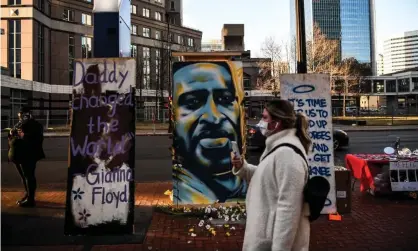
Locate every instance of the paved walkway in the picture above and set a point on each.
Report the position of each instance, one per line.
(163, 132)
(374, 224)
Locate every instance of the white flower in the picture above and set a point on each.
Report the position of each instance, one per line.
(208, 210)
(232, 228)
(189, 242)
(201, 223)
(214, 209)
(232, 219)
(208, 227)
(220, 216)
(237, 217)
(226, 218)
(193, 235)
(227, 211)
(210, 218)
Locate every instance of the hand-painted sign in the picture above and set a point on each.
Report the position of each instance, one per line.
(311, 94)
(100, 189)
(404, 175)
(208, 114)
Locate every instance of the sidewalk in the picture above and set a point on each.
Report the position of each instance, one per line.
(348, 128)
(148, 132)
(163, 132)
(374, 224)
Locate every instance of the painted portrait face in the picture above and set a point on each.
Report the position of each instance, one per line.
(207, 112)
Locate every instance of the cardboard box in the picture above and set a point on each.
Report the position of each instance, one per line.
(343, 191)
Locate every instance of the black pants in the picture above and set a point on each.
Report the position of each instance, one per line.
(26, 171)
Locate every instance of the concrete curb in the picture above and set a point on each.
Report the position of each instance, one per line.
(48, 135)
(376, 129)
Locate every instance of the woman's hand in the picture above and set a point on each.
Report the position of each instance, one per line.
(236, 161)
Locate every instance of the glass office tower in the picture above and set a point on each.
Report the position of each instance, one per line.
(349, 21)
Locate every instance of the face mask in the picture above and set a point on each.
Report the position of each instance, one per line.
(263, 125)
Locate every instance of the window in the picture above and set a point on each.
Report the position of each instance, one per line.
(158, 16)
(378, 86)
(190, 42)
(179, 39)
(68, 15)
(71, 56)
(146, 32)
(134, 29)
(172, 5)
(41, 54)
(145, 12)
(41, 5)
(415, 84)
(18, 98)
(15, 37)
(133, 9)
(158, 35)
(86, 19)
(158, 1)
(134, 51)
(390, 85)
(403, 85)
(247, 83)
(146, 67)
(157, 66)
(171, 37)
(14, 2)
(86, 47)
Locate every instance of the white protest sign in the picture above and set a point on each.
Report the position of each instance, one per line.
(115, 74)
(100, 189)
(404, 175)
(311, 95)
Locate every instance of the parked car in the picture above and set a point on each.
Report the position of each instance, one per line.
(256, 140)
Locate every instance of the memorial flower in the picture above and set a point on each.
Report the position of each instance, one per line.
(206, 216)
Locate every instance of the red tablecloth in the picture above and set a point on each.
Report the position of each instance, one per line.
(364, 167)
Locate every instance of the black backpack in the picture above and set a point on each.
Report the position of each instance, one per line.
(316, 189)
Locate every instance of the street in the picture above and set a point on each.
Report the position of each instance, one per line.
(153, 157)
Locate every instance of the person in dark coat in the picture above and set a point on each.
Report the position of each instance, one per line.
(27, 151)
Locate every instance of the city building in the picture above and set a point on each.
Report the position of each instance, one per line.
(232, 42)
(233, 37)
(212, 45)
(350, 22)
(401, 53)
(40, 40)
(380, 65)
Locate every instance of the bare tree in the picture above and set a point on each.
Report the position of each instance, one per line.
(322, 53)
(290, 54)
(270, 66)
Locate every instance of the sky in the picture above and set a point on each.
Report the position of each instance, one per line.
(270, 18)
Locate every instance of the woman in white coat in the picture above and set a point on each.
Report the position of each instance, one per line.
(277, 217)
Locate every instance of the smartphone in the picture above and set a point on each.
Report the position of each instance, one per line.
(235, 149)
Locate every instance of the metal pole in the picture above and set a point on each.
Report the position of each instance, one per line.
(170, 123)
(300, 37)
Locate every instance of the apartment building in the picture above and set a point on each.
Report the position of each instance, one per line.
(41, 38)
(401, 53)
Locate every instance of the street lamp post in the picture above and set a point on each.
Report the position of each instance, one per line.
(170, 123)
(301, 39)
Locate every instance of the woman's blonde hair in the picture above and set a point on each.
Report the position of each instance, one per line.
(283, 111)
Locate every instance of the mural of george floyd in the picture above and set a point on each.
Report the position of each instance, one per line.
(208, 113)
(100, 189)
